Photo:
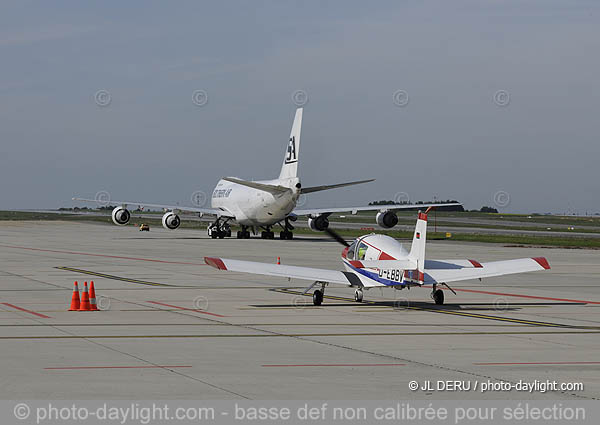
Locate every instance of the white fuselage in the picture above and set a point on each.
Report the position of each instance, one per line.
(376, 247)
(255, 207)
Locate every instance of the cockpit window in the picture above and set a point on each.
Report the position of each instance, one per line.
(351, 249)
(362, 250)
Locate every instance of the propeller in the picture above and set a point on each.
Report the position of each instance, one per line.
(336, 237)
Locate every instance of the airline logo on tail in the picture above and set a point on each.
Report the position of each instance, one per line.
(291, 151)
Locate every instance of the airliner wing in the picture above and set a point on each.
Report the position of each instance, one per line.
(332, 186)
(354, 210)
(455, 270)
(260, 186)
(280, 270)
(209, 211)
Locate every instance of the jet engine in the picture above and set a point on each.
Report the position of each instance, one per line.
(120, 216)
(319, 223)
(171, 221)
(387, 219)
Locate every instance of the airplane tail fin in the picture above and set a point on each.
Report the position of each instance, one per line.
(289, 169)
(417, 249)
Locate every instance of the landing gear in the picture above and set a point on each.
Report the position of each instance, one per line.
(244, 233)
(267, 234)
(358, 295)
(319, 293)
(318, 297)
(219, 230)
(286, 233)
(437, 295)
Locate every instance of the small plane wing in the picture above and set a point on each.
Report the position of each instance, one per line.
(260, 186)
(455, 271)
(280, 270)
(354, 210)
(210, 211)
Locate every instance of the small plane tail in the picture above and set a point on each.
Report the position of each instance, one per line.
(417, 249)
(289, 169)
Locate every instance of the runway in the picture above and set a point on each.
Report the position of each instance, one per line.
(174, 328)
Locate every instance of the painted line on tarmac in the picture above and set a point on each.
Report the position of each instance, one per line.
(215, 323)
(335, 365)
(43, 316)
(114, 367)
(295, 335)
(442, 311)
(112, 277)
(535, 297)
(196, 310)
(102, 255)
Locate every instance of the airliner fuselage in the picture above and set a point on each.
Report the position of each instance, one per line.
(255, 207)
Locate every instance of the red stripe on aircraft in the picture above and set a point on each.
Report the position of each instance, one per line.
(16, 307)
(187, 309)
(542, 262)
(422, 216)
(345, 252)
(217, 263)
(476, 264)
(385, 256)
(357, 264)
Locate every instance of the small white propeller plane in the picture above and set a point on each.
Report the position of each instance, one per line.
(379, 261)
(263, 204)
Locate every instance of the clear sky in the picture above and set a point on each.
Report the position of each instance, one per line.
(502, 96)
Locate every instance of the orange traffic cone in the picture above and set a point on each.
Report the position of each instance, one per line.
(85, 299)
(75, 298)
(93, 305)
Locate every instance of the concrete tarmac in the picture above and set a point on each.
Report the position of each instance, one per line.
(174, 328)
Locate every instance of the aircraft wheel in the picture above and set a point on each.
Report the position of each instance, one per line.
(358, 296)
(285, 235)
(240, 234)
(213, 234)
(318, 297)
(221, 234)
(438, 297)
(228, 233)
(246, 234)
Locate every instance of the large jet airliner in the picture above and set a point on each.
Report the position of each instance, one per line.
(263, 204)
